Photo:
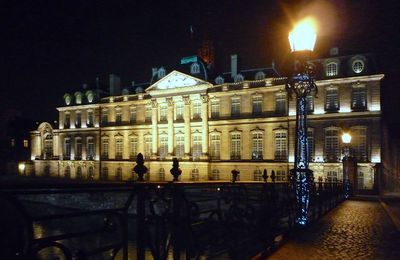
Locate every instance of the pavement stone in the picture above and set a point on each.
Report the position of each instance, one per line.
(353, 230)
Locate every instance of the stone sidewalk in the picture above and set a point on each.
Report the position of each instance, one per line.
(356, 229)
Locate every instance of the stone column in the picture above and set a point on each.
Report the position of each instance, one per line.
(170, 118)
(186, 118)
(56, 144)
(204, 126)
(154, 129)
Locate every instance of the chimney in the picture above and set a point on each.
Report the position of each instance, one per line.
(154, 72)
(234, 65)
(115, 85)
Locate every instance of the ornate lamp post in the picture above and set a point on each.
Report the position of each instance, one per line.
(346, 139)
(301, 83)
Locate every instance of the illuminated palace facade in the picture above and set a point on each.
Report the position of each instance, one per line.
(241, 119)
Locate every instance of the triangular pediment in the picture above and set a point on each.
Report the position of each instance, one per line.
(176, 80)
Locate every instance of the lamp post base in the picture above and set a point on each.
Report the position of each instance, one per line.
(301, 184)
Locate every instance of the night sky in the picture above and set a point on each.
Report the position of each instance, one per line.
(53, 47)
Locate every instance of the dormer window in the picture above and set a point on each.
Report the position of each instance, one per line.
(90, 96)
(67, 99)
(239, 78)
(331, 69)
(161, 72)
(195, 68)
(78, 98)
(219, 80)
(358, 66)
(260, 75)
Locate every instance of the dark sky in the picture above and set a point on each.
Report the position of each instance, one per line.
(52, 47)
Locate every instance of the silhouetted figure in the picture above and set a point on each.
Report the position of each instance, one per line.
(265, 175)
(175, 171)
(140, 168)
(235, 174)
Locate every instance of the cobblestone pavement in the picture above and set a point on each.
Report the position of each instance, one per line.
(354, 230)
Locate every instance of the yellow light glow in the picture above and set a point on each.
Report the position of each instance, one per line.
(303, 36)
(21, 168)
(346, 138)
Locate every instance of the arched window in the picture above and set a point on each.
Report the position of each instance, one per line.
(118, 174)
(78, 98)
(260, 75)
(195, 68)
(48, 146)
(239, 78)
(104, 174)
(331, 69)
(67, 172)
(219, 80)
(79, 172)
(195, 175)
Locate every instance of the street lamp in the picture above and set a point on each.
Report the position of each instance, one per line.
(301, 83)
(346, 139)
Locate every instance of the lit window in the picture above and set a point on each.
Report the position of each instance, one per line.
(118, 174)
(215, 175)
(359, 143)
(180, 146)
(195, 68)
(332, 176)
(163, 147)
(161, 174)
(78, 149)
(257, 105)
(281, 145)
(179, 110)
(257, 176)
(195, 175)
(358, 97)
(235, 146)
(67, 148)
(239, 78)
(90, 118)
(90, 96)
(78, 121)
(197, 148)
(332, 69)
(104, 148)
(280, 103)
(132, 115)
(118, 115)
(215, 108)
(219, 80)
(215, 146)
(133, 147)
(67, 99)
(67, 120)
(104, 116)
(196, 109)
(48, 146)
(260, 75)
(310, 143)
(310, 103)
(332, 144)
(163, 112)
(235, 106)
(257, 149)
(104, 174)
(78, 98)
(67, 172)
(118, 147)
(280, 175)
(90, 148)
(148, 146)
(332, 100)
(26, 143)
(148, 114)
(79, 172)
(358, 66)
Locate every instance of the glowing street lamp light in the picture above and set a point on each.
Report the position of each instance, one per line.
(301, 83)
(346, 139)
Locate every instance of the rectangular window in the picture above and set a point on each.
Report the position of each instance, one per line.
(257, 105)
(163, 147)
(148, 114)
(257, 176)
(280, 175)
(196, 109)
(118, 148)
(310, 103)
(104, 148)
(257, 149)
(235, 106)
(78, 121)
(78, 149)
(332, 176)
(332, 100)
(332, 145)
(358, 98)
(214, 108)
(89, 118)
(67, 120)
(310, 143)
(132, 115)
(67, 148)
(133, 147)
(280, 103)
(215, 146)
(281, 146)
(179, 111)
(359, 143)
(148, 146)
(118, 116)
(90, 148)
(163, 112)
(235, 146)
(104, 116)
(26, 143)
(180, 146)
(197, 149)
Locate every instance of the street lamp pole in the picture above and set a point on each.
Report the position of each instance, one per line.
(301, 83)
(346, 139)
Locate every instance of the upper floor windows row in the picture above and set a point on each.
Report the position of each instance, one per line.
(357, 66)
